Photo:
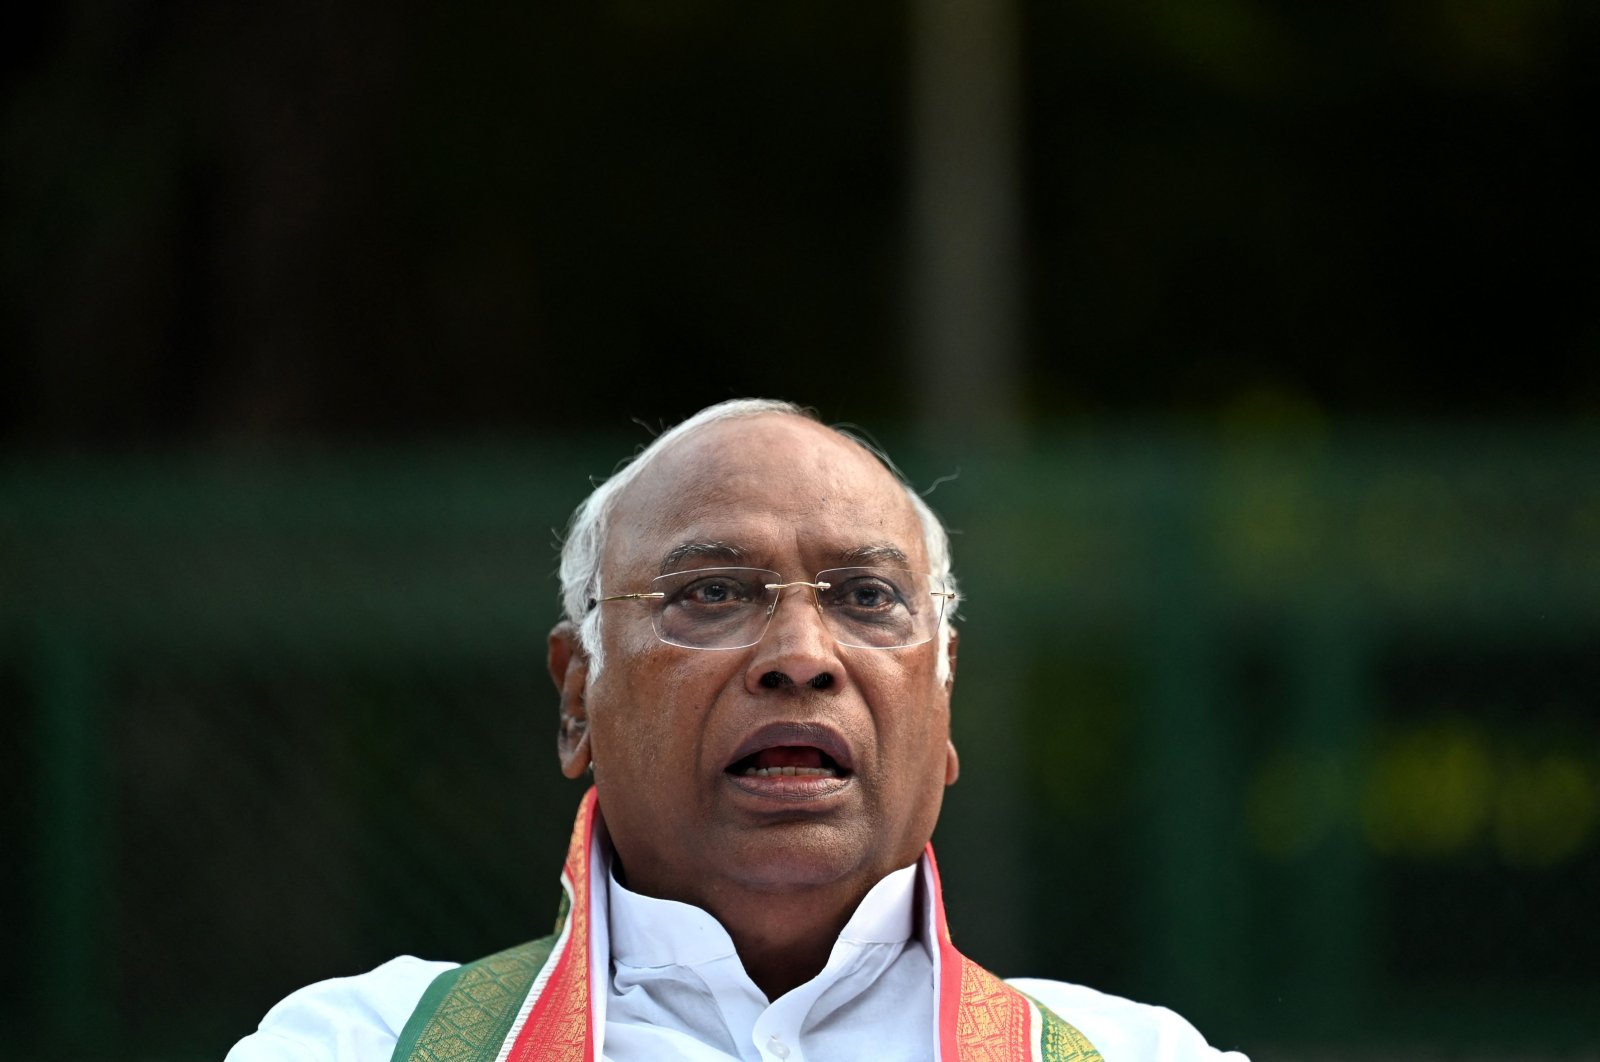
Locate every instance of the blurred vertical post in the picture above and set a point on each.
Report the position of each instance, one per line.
(1332, 703)
(71, 877)
(1190, 886)
(966, 224)
(965, 327)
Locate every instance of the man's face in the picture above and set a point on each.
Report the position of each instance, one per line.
(673, 732)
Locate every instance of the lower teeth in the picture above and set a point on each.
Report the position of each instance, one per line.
(788, 772)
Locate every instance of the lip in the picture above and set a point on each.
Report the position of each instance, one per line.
(791, 791)
(816, 735)
(786, 794)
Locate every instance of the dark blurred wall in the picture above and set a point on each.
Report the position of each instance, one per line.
(336, 220)
(361, 219)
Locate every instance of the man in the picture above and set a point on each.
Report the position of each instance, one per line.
(756, 666)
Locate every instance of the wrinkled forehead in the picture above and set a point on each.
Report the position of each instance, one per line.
(778, 488)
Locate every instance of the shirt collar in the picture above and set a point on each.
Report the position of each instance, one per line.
(646, 931)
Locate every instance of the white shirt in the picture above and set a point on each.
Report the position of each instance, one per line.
(675, 990)
(678, 990)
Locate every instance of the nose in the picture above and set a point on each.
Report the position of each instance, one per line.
(797, 649)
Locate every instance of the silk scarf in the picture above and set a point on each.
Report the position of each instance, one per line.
(530, 1003)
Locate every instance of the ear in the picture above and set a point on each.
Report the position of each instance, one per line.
(569, 670)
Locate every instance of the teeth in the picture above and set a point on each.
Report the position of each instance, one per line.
(789, 772)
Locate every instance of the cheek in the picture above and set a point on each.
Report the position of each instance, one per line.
(911, 712)
(652, 712)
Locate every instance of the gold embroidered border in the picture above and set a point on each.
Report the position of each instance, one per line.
(1060, 1041)
(466, 1013)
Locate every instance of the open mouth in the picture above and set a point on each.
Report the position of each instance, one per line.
(788, 761)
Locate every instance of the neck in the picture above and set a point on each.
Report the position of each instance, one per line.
(783, 938)
(784, 942)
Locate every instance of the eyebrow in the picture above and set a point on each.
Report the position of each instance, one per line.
(880, 553)
(700, 551)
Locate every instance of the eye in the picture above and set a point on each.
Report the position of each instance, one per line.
(867, 594)
(713, 591)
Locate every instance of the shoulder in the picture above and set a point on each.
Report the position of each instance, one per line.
(1121, 1029)
(348, 1019)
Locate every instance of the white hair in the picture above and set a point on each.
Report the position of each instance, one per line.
(586, 534)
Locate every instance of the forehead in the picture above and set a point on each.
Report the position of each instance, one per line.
(771, 486)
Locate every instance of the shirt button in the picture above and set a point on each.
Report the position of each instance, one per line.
(777, 1048)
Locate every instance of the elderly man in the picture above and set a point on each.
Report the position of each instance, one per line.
(755, 666)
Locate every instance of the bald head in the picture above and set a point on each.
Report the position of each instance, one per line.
(728, 451)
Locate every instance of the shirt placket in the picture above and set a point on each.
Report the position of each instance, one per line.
(776, 1033)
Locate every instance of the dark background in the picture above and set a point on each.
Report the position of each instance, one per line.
(1261, 338)
(337, 220)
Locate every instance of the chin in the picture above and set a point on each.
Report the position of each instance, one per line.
(803, 856)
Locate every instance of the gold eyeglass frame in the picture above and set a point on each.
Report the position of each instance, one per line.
(772, 609)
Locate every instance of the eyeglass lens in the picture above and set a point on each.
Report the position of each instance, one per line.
(729, 608)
